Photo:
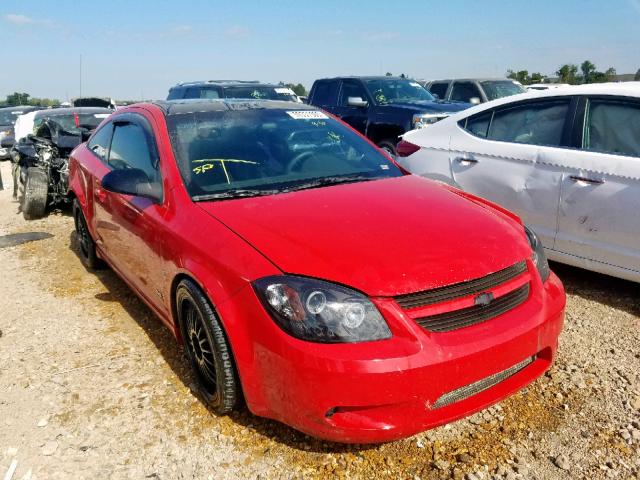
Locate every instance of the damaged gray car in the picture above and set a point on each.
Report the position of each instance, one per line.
(41, 158)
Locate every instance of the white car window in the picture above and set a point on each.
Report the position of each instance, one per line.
(539, 123)
(612, 127)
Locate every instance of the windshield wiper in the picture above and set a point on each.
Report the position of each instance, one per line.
(234, 193)
(326, 181)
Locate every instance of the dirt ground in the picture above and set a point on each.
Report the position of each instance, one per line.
(93, 386)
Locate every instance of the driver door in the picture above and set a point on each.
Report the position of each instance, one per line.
(132, 229)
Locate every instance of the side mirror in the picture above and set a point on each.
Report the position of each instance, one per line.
(7, 142)
(132, 181)
(357, 102)
(435, 95)
(474, 101)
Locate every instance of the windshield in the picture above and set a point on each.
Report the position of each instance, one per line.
(224, 154)
(9, 117)
(261, 93)
(397, 91)
(502, 88)
(73, 123)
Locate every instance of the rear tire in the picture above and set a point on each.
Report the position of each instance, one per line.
(36, 189)
(86, 245)
(388, 146)
(207, 349)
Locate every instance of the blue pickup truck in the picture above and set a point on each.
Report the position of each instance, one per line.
(381, 108)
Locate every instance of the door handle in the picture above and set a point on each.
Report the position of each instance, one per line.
(466, 160)
(579, 178)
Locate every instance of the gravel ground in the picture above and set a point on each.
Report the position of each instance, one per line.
(92, 386)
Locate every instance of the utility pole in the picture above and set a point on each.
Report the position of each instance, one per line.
(80, 76)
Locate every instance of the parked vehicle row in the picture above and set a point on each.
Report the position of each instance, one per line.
(312, 275)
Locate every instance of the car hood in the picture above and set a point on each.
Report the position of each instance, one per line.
(431, 106)
(383, 237)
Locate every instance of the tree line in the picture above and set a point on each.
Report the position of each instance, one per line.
(568, 73)
(18, 98)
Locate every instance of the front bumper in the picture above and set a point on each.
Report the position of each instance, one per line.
(386, 390)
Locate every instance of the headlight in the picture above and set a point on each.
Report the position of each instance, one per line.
(320, 311)
(421, 120)
(538, 257)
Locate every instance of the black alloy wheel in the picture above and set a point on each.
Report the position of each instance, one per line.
(207, 348)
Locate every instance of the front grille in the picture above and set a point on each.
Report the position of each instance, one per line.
(445, 322)
(463, 289)
(473, 388)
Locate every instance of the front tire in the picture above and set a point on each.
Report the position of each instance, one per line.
(86, 245)
(36, 189)
(207, 348)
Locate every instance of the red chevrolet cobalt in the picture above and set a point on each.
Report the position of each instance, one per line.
(306, 273)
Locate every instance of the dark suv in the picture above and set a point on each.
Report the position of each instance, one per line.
(382, 108)
(231, 89)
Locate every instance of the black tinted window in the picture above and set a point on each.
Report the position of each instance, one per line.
(175, 93)
(99, 143)
(325, 93)
(478, 124)
(612, 127)
(351, 88)
(439, 89)
(538, 123)
(465, 91)
(131, 148)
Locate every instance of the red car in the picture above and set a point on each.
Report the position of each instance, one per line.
(307, 273)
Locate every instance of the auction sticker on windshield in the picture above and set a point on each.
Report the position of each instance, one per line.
(307, 115)
(287, 91)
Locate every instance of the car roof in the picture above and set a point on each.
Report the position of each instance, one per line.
(20, 107)
(224, 83)
(479, 79)
(366, 77)
(176, 107)
(58, 112)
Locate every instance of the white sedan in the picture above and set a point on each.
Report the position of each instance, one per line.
(566, 160)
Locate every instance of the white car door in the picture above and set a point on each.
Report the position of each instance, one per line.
(599, 214)
(510, 155)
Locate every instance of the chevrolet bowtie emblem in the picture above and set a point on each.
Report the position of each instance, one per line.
(483, 299)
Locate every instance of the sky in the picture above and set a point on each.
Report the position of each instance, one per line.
(139, 48)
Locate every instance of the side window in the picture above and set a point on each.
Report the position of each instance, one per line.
(209, 93)
(439, 89)
(131, 148)
(99, 143)
(478, 124)
(539, 123)
(191, 92)
(612, 127)
(325, 93)
(465, 91)
(175, 93)
(351, 88)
